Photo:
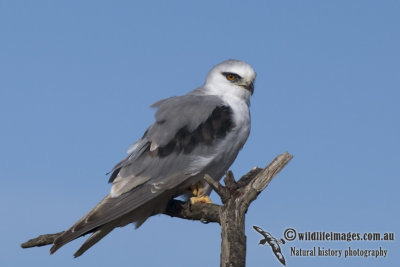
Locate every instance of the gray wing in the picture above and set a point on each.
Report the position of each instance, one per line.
(173, 151)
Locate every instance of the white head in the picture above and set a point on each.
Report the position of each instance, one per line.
(232, 77)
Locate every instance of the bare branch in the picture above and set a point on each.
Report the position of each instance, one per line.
(218, 188)
(248, 177)
(230, 181)
(257, 184)
(233, 245)
(41, 240)
(199, 211)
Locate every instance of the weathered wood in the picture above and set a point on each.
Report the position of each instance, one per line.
(237, 197)
(233, 245)
(41, 240)
(199, 212)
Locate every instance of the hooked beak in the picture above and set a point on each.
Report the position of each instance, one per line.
(249, 86)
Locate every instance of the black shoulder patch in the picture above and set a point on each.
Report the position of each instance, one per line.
(215, 127)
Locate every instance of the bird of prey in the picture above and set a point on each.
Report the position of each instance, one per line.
(273, 242)
(195, 134)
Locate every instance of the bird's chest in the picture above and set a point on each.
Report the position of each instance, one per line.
(241, 125)
(240, 115)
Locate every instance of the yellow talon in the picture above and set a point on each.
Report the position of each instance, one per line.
(198, 194)
(195, 191)
(203, 199)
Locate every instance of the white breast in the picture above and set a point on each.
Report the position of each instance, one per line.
(241, 112)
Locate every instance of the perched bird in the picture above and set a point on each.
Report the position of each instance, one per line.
(195, 134)
(273, 242)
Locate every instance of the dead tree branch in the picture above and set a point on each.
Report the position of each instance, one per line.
(237, 201)
(236, 197)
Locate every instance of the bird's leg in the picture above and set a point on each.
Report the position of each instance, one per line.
(199, 195)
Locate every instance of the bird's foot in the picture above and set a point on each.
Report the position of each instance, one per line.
(200, 199)
(198, 193)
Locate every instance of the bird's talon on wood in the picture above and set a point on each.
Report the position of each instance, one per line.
(202, 199)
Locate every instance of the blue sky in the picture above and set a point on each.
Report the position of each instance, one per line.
(77, 79)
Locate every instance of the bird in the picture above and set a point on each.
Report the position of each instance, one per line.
(273, 242)
(195, 134)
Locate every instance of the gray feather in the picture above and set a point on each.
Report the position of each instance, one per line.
(94, 238)
(175, 113)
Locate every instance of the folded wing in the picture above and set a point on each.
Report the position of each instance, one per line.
(174, 152)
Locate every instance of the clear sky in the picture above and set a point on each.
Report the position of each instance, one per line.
(77, 79)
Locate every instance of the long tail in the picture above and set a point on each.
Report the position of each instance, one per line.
(103, 218)
(77, 230)
(94, 238)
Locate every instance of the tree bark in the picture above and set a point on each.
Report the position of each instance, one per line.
(236, 198)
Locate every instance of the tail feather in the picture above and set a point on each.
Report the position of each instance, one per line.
(100, 224)
(73, 233)
(94, 238)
